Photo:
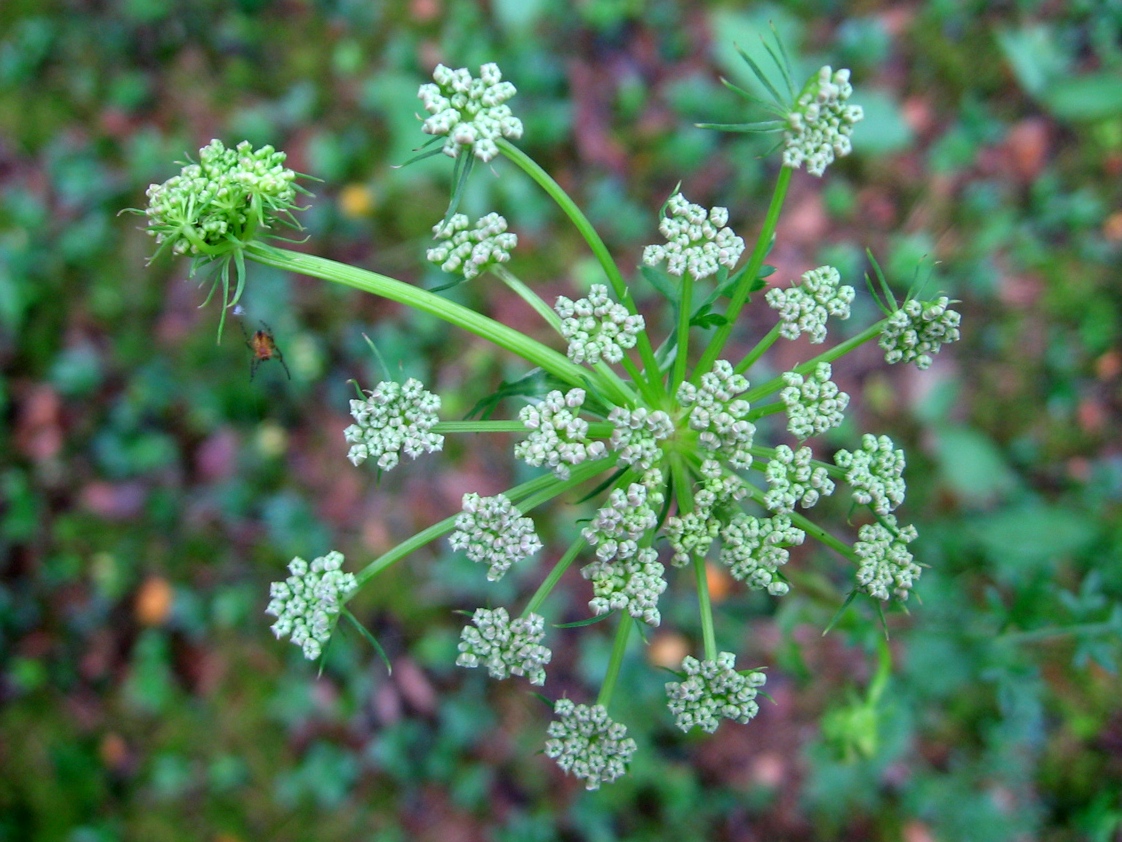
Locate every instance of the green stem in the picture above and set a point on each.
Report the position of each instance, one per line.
(755, 263)
(759, 350)
(685, 308)
(705, 607)
(554, 577)
(526, 496)
(839, 350)
(618, 650)
(529, 166)
(453, 427)
(529, 296)
(425, 301)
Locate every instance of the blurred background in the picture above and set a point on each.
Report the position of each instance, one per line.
(150, 490)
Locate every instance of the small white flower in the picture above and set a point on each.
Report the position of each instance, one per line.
(506, 647)
(469, 251)
(558, 436)
(875, 473)
(307, 604)
(632, 584)
(588, 744)
(814, 404)
(697, 240)
(820, 124)
(885, 562)
(494, 533)
(713, 690)
(596, 327)
(719, 415)
(755, 548)
(918, 329)
(793, 479)
(393, 419)
(471, 113)
(804, 308)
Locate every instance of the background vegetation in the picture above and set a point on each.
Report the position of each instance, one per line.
(149, 490)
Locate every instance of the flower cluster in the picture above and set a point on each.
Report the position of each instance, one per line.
(814, 403)
(558, 435)
(692, 533)
(917, 330)
(219, 202)
(588, 744)
(719, 415)
(793, 478)
(820, 123)
(636, 435)
(885, 561)
(494, 533)
(307, 604)
(506, 647)
(618, 525)
(393, 419)
(754, 549)
(697, 240)
(804, 308)
(470, 251)
(596, 327)
(628, 584)
(711, 690)
(471, 112)
(875, 473)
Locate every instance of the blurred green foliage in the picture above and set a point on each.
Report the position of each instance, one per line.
(149, 491)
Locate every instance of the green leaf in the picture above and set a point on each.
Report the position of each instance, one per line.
(973, 466)
(1035, 56)
(662, 284)
(1095, 96)
(1030, 536)
(586, 622)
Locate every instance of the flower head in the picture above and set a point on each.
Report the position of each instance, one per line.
(792, 478)
(692, 533)
(506, 647)
(216, 205)
(637, 434)
(885, 562)
(711, 690)
(918, 329)
(470, 251)
(394, 418)
(875, 473)
(632, 584)
(697, 240)
(492, 532)
(820, 123)
(619, 524)
(586, 743)
(596, 327)
(804, 308)
(814, 403)
(558, 435)
(307, 604)
(470, 112)
(754, 549)
(719, 415)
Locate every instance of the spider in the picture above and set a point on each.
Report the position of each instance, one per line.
(264, 348)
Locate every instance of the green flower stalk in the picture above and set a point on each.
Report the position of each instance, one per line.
(668, 447)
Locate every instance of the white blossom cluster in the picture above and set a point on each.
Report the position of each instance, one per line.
(805, 307)
(875, 473)
(717, 413)
(493, 532)
(814, 403)
(628, 584)
(558, 435)
(307, 604)
(692, 533)
(618, 525)
(596, 327)
(697, 240)
(506, 647)
(886, 564)
(820, 123)
(711, 690)
(918, 329)
(215, 200)
(471, 112)
(470, 251)
(754, 549)
(588, 744)
(637, 434)
(393, 419)
(792, 478)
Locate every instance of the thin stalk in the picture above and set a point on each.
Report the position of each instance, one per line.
(457, 314)
(705, 609)
(554, 577)
(529, 296)
(649, 387)
(755, 262)
(618, 650)
(685, 308)
(839, 350)
(759, 350)
(596, 429)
